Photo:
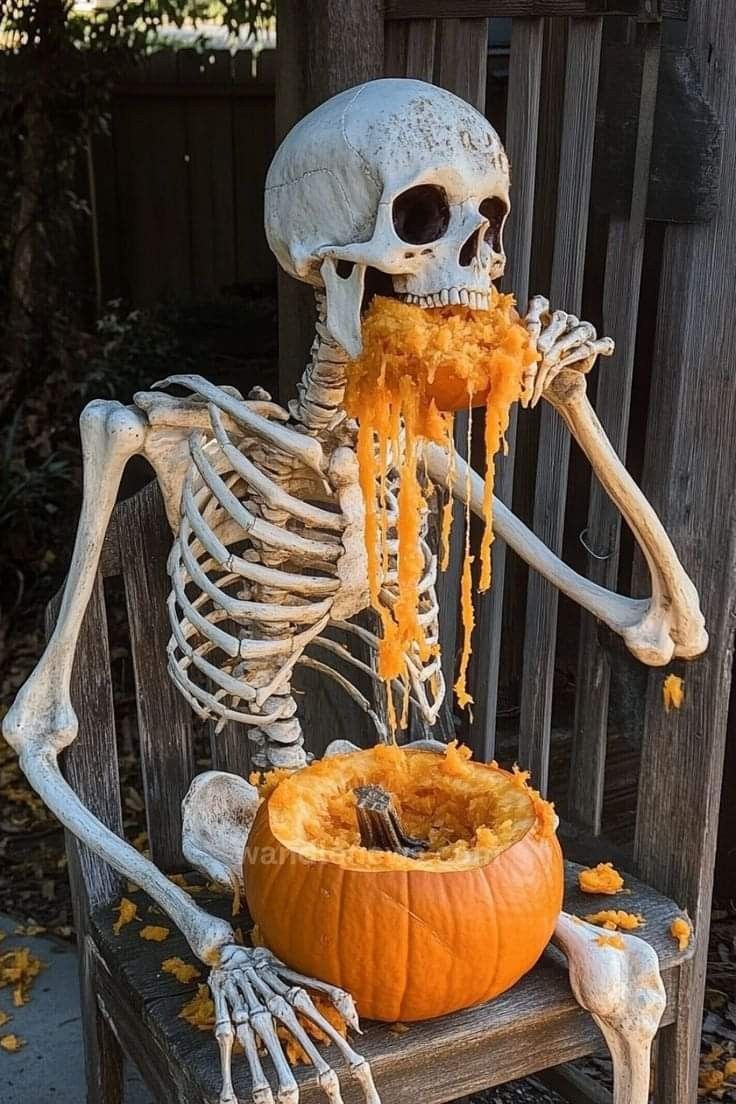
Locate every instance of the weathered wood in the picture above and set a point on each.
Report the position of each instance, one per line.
(527, 429)
(469, 9)
(693, 406)
(90, 767)
(324, 47)
(571, 225)
(469, 1050)
(89, 764)
(110, 555)
(575, 1086)
(164, 719)
(522, 117)
(462, 68)
(103, 1056)
(621, 289)
(209, 137)
(254, 140)
(153, 198)
(104, 222)
(410, 49)
(230, 749)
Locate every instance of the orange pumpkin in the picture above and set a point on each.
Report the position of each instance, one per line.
(408, 937)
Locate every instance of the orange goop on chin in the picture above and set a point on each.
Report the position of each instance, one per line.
(417, 367)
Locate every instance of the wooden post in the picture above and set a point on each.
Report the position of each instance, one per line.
(324, 46)
(624, 259)
(689, 476)
(566, 289)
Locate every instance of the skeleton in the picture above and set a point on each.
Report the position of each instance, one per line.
(402, 183)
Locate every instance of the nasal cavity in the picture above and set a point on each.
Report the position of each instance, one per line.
(470, 248)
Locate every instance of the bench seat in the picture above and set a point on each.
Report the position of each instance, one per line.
(432, 1062)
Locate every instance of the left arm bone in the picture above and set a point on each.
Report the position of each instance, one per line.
(674, 625)
(615, 610)
(669, 623)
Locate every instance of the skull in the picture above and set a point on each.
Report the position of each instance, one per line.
(396, 186)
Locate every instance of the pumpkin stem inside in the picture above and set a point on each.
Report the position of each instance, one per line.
(380, 826)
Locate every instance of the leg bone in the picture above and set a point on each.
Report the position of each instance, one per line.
(623, 991)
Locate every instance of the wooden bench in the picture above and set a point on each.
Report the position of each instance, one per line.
(519, 1033)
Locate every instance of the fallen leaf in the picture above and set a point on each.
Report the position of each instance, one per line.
(5, 1018)
(180, 969)
(709, 1080)
(673, 692)
(200, 1010)
(154, 934)
(11, 1043)
(18, 968)
(399, 1028)
(127, 910)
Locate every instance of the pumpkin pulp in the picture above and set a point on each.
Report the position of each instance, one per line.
(411, 936)
(418, 366)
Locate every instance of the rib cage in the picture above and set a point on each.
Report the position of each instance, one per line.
(254, 578)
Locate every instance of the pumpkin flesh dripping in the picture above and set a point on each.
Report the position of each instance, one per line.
(418, 366)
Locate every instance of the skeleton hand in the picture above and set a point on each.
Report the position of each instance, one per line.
(253, 993)
(563, 342)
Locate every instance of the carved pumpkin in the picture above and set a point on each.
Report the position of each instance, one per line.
(455, 919)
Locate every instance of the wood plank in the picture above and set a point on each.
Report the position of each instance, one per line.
(462, 47)
(571, 225)
(90, 763)
(153, 199)
(253, 141)
(324, 47)
(105, 217)
(523, 9)
(164, 718)
(421, 45)
(471, 1050)
(230, 749)
(410, 49)
(554, 50)
(210, 169)
(90, 766)
(522, 118)
(575, 1086)
(624, 257)
(394, 60)
(688, 476)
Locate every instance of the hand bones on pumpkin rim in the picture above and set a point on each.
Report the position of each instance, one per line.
(267, 512)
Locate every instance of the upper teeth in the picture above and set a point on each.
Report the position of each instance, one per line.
(477, 300)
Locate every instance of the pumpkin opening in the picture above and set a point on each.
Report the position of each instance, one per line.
(452, 814)
(417, 367)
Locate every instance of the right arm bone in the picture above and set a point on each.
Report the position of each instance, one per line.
(42, 722)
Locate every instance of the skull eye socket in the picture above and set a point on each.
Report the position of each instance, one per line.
(495, 210)
(421, 214)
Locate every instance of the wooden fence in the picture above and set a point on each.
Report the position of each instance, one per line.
(177, 183)
(613, 126)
